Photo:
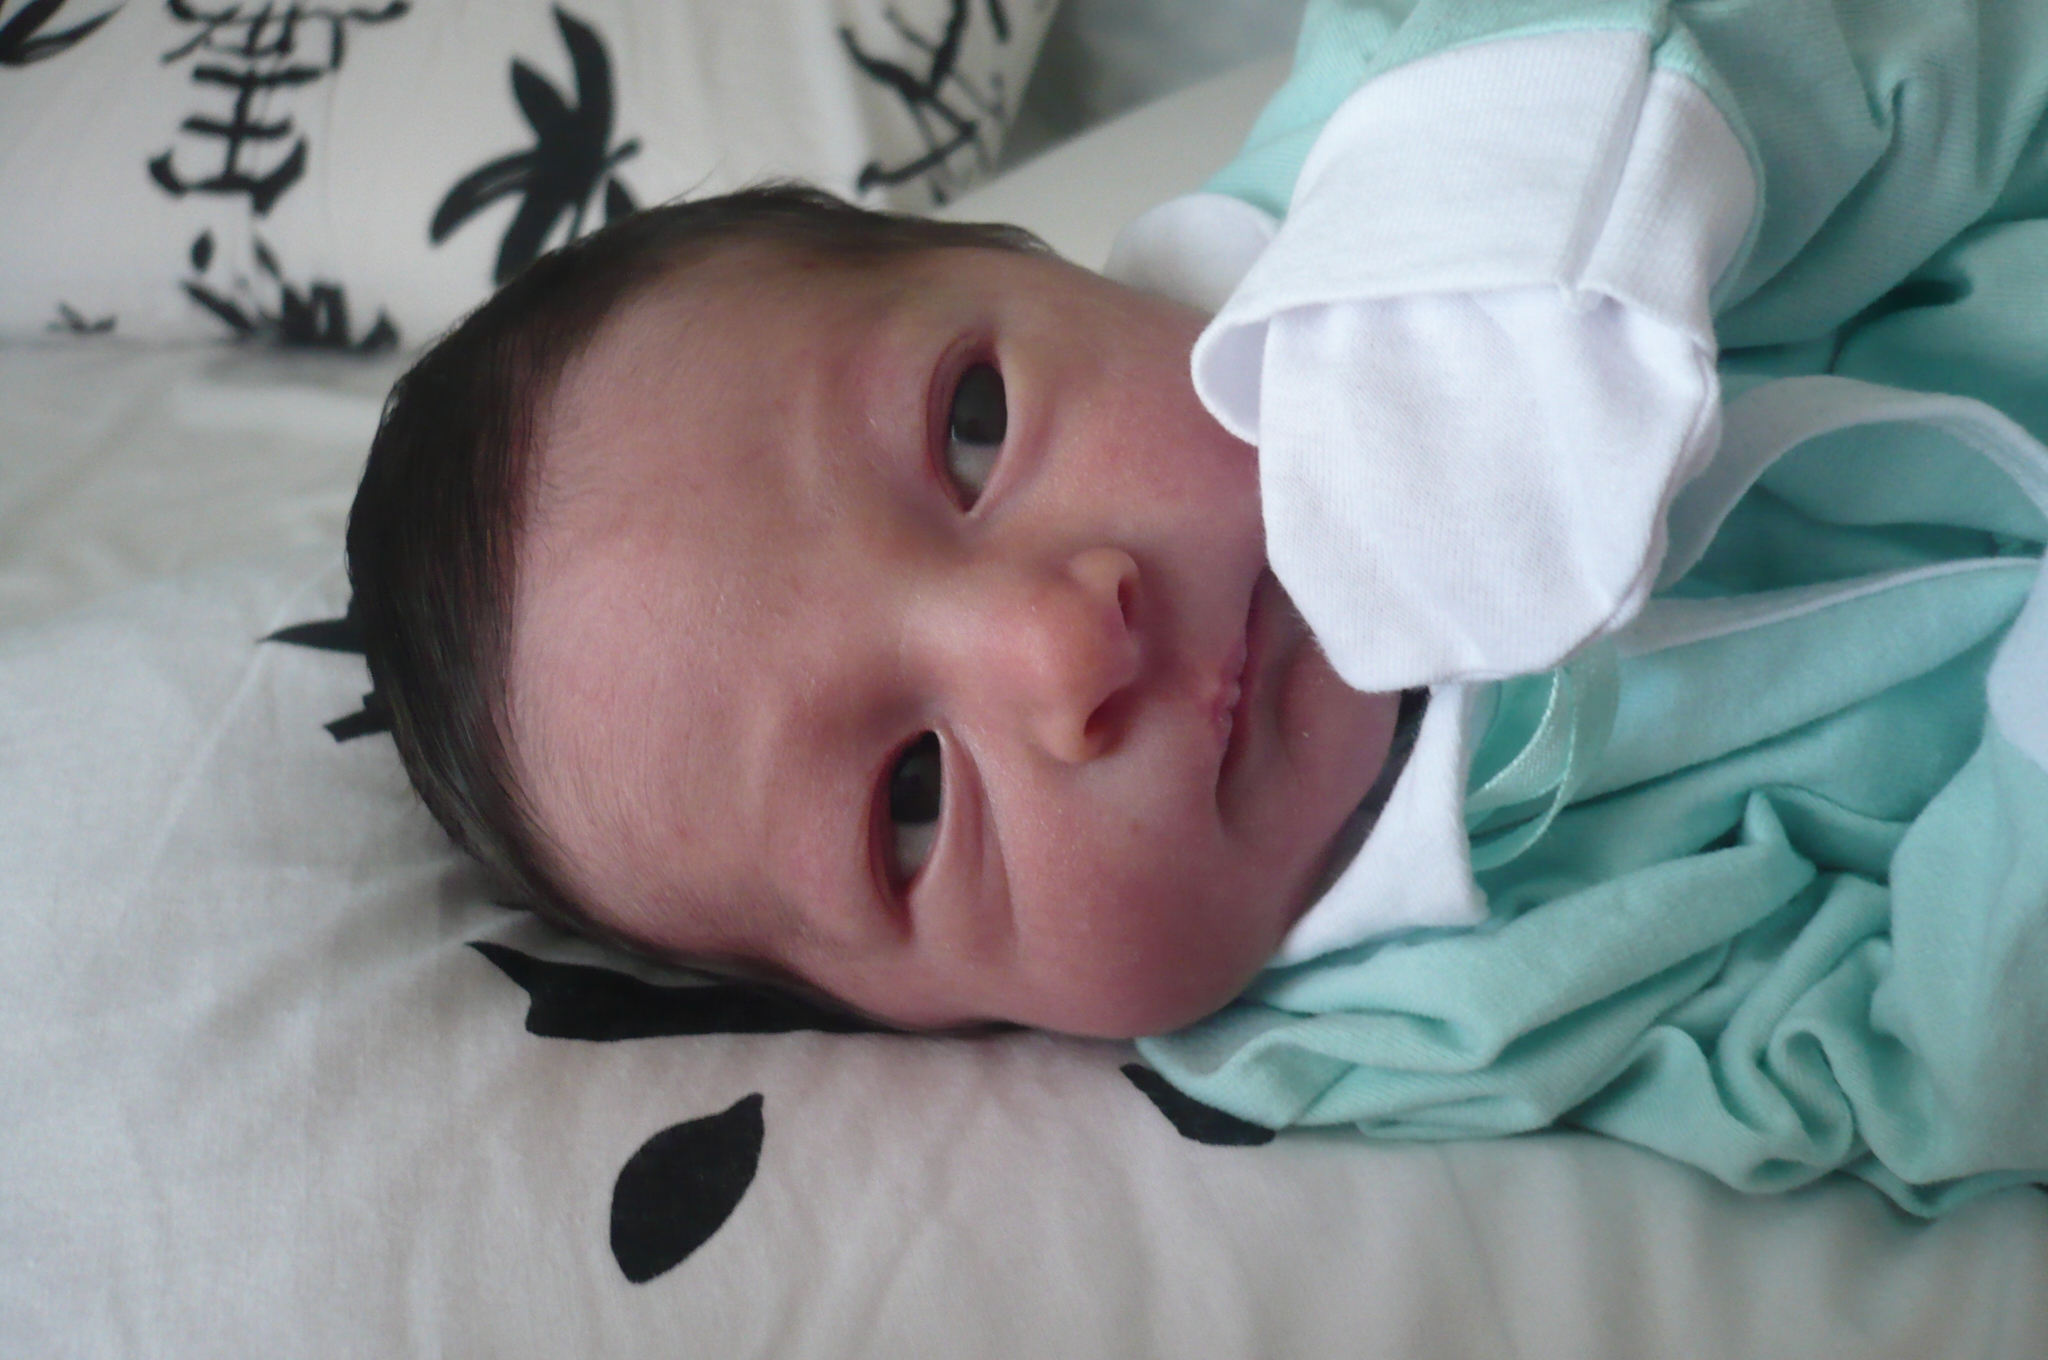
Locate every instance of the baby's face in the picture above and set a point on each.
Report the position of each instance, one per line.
(908, 628)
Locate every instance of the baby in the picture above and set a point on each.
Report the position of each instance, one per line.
(1422, 668)
(866, 601)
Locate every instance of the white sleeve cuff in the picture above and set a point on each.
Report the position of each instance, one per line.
(1415, 868)
(1194, 249)
(1478, 355)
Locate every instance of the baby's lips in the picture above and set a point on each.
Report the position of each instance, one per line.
(1227, 703)
(1229, 692)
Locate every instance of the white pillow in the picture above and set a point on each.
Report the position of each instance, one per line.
(354, 176)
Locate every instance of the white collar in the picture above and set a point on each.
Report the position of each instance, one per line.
(1415, 868)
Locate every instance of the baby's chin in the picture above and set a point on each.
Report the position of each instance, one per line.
(1137, 1018)
(1345, 738)
(1344, 844)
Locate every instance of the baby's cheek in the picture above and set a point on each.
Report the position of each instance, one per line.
(1166, 960)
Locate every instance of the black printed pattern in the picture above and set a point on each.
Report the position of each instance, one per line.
(253, 55)
(686, 1180)
(682, 1185)
(249, 152)
(577, 1001)
(23, 42)
(72, 322)
(245, 138)
(558, 176)
(1192, 1119)
(957, 119)
(345, 635)
(310, 316)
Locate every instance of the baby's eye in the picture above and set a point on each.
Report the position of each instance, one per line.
(975, 426)
(914, 798)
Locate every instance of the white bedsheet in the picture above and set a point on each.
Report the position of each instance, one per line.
(125, 463)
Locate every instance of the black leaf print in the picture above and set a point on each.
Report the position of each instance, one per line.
(571, 158)
(681, 1186)
(1191, 1118)
(317, 318)
(366, 721)
(577, 1001)
(72, 322)
(344, 634)
(308, 316)
(228, 313)
(22, 44)
(617, 202)
(950, 113)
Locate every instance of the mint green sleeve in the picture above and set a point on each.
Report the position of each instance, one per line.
(1822, 950)
(1879, 133)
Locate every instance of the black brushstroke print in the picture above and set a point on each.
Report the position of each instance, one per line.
(256, 54)
(684, 1182)
(72, 322)
(313, 315)
(682, 1185)
(345, 635)
(1191, 1118)
(558, 176)
(366, 721)
(577, 1001)
(953, 117)
(23, 43)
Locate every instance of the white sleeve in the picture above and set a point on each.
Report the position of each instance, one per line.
(1478, 357)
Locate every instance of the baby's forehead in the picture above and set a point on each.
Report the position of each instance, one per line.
(739, 335)
(738, 385)
(653, 559)
(624, 732)
(635, 432)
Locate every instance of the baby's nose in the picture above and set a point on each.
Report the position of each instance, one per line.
(1076, 655)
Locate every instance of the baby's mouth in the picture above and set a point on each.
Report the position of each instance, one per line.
(1231, 696)
(1232, 704)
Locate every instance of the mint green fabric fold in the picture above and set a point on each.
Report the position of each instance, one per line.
(1766, 1007)
(1794, 921)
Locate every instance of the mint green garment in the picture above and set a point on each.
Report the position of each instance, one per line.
(1884, 134)
(1789, 913)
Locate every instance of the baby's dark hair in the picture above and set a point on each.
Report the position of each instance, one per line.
(433, 533)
